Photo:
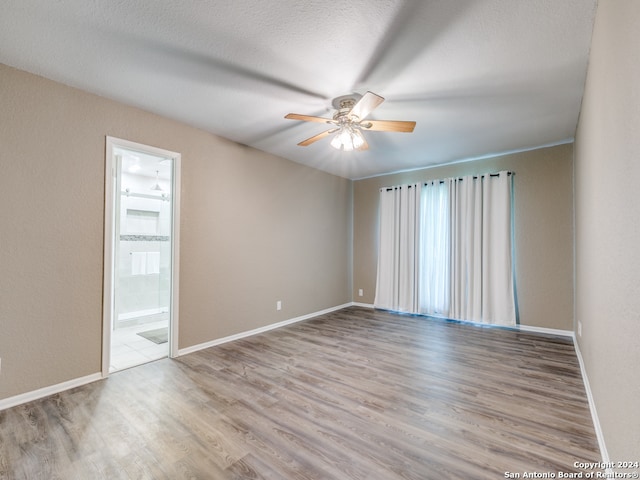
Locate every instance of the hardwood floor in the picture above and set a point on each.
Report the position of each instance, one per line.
(354, 394)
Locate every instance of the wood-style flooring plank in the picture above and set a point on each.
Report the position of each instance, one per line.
(355, 394)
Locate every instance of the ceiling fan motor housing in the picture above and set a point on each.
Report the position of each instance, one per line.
(346, 101)
(343, 105)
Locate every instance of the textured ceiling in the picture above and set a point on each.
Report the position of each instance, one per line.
(480, 77)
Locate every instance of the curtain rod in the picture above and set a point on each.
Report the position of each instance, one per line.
(475, 177)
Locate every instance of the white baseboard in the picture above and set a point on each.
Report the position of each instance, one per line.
(592, 407)
(365, 305)
(249, 333)
(549, 331)
(46, 391)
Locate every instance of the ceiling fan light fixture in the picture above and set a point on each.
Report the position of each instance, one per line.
(348, 138)
(357, 138)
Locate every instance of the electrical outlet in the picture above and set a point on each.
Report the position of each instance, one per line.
(279, 305)
(579, 328)
(360, 292)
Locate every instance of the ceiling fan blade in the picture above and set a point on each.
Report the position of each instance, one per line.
(388, 125)
(315, 138)
(308, 118)
(366, 105)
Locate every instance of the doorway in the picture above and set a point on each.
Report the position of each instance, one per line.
(141, 252)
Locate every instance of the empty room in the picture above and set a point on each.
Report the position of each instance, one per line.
(319, 240)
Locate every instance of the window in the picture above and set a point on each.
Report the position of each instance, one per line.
(445, 248)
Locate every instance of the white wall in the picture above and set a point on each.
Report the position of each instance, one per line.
(607, 199)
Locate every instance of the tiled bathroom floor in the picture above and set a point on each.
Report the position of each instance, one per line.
(129, 349)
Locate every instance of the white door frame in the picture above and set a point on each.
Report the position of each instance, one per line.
(110, 243)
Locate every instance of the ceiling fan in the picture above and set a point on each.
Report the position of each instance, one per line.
(351, 110)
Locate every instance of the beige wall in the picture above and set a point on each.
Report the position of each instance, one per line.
(607, 175)
(543, 185)
(254, 229)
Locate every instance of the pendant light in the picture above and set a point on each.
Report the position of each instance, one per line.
(157, 187)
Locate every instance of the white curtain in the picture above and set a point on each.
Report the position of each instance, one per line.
(434, 250)
(481, 267)
(498, 294)
(398, 248)
(445, 249)
(465, 210)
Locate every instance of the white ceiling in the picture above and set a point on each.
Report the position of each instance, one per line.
(480, 77)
